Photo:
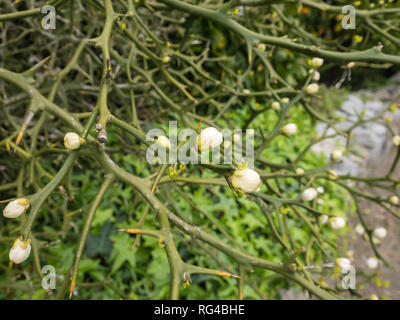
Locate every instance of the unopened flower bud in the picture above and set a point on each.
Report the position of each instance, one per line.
(73, 141)
(396, 140)
(275, 105)
(285, 100)
(394, 200)
(316, 75)
(359, 229)
(299, 171)
(344, 264)
(380, 232)
(16, 208)
(166, 59)
(20, 251)
(351, 65)
(246, 180)
(332, 174)
(372, 262)
(315, 62)
(312, 88)
(164, 141)
(261, 46)
(289, 129)
(209, 138)
(336, 155)
(323, 219)
(337, 222)
(309, 194)
(320, 189)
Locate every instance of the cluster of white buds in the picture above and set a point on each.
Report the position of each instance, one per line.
(312, 88)
(20, 250)
(73, 141)
(372, 262)
(344, 264)
(164, 141)
(209, 138)
(16, 208)
(379, 232)
(337, 222)
(309, 194)
(246, 180)
(289, 129)
(336, 155)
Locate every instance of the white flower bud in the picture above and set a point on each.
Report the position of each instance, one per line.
(396, 140)
(261, 46)
(394, 200)
(320, 189)
(380, 232)
(275, 105)
(351, 65)
(209, 138)
(289, 129)
(332, 174)
(246, 180)
(337, 222)
(285, 100)
(73, 141)
(312, 88)
(336, 155)
(344, 264)
(315, 62)
(20, 251)
(309, 194)
(164, 141)
(359, 229)
(15, 208)
(323, 219)
(316, 75)
(372, 262)
(166, 59)
(299, 171)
